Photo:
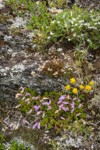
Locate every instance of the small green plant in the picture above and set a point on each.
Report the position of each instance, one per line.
(2, 141)
(16, 146)
(77, 26)
(55, 110)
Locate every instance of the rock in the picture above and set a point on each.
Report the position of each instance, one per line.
(17, 63)
(1, 4)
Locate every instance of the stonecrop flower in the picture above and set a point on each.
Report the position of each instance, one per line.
(81, 87)
(67, 87)
(91, 83)
(75, 91)
(72, 80)
(88, 88)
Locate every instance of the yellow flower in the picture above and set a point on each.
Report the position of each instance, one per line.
(81, 87)
(88, 88)
(75, 91)
(91, 83)
(72, 80)
(67, 87)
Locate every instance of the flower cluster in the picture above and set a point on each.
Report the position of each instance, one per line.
(51, 110)
(77, 89)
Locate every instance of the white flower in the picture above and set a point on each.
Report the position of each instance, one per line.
(51, 33)
(48, 37)
(59, 49)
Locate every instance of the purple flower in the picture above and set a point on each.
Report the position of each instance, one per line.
(80, 105)
(74, 98)
(62, 97)
(47, 103)
(27, 100)
(22, 89)
(33, 98)
(79, 100)
(49, 107)
(25, 121)
(61, 106)
(27, 94)
(65, 102)
(36, 98)
(37, 124)
(65, 108)
(72, 106)
(18, 95)
(30, 111)
(36, 107)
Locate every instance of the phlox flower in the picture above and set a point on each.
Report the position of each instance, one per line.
(36, 125)
(18, 95)
(36, 98)
(27, 100)
(80, 105)
(36, 107)
(27, 94)
(49, 107)
(63, 107)
(30, 111)
(46, 103)
(74, 98)
(62, 97)
(72, 106)
(22, 89)
(65, 102)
